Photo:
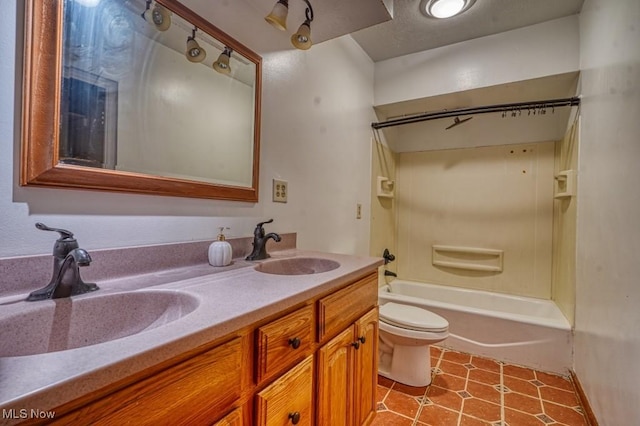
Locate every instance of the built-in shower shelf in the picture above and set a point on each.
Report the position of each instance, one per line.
(468, 258)
(385, 187)
(565, 184)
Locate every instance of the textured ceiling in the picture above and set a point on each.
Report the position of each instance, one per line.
(368, 21)
(244, 19)
(411, 32)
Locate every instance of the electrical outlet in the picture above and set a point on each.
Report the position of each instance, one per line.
(280, 191)
(358, 211)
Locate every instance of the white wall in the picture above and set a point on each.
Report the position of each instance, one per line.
(315, 134)
(531, 52)
(317, 127)
(607, 340)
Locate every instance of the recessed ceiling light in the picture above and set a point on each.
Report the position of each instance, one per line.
(444, 8)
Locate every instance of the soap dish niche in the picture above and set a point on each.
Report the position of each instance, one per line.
(386, 187)
(565, 184)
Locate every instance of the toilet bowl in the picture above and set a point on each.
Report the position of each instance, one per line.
(406, 333)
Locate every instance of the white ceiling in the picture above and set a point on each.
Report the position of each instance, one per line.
(370, 24)
(411, 32)
(244, 19)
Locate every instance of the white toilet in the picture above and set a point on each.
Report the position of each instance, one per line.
(406, 333)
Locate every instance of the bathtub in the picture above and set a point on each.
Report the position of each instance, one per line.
(519, 330)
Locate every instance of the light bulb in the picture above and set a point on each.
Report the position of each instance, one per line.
(446, 8)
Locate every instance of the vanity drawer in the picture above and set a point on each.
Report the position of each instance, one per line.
(338, 310)
(192, 392)
(288, 400)
(283, 342)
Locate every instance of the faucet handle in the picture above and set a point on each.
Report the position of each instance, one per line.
(259, 231)
(388, 257)
(64, 244)
(262, 223)
(64, 234)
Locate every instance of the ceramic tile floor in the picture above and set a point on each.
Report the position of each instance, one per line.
(467, 390)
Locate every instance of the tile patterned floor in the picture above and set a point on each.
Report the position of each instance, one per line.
(467, 390)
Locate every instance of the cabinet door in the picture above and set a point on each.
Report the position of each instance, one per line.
(366, 368)
(335, 381)
(288, 400)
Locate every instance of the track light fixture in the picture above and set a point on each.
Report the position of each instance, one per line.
(194, 52)
(222, 64)
(157, 16)
(302, 38)
(278, 18)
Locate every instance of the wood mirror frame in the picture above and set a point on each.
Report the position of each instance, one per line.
(39, 163)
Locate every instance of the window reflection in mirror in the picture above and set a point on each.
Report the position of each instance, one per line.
(132, 101)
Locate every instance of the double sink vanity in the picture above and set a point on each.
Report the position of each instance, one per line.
(289, 340)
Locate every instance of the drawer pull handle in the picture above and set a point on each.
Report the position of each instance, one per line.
(295, 417)
(362, 339)
(356, 345)
(295, 343)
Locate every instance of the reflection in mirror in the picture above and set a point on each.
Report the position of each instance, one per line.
(88, 126)
(152, 98)
(135, 99)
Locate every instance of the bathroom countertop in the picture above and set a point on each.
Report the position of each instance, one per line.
(229, 300)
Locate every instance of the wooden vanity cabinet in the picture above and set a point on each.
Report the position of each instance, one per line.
(347, 363)
(347, 374)
(313, 364)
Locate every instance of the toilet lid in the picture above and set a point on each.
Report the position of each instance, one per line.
(412, 317)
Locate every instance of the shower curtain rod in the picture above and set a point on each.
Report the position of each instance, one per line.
(552, 103)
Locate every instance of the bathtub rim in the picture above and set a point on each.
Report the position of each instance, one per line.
(560, 322)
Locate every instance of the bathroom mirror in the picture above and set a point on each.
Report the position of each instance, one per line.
(113, 101)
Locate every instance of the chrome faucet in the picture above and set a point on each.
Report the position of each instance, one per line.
(260, 242)
(68, 257)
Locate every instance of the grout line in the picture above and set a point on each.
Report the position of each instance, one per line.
(535, 374)
(503, 420)
(466, 384)
(424, 396)
(384, 398)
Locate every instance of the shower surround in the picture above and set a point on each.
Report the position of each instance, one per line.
(479, 218)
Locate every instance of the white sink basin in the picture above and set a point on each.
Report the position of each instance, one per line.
(297, 266)
(68, 323)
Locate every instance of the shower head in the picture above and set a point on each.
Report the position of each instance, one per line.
(457, 121)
